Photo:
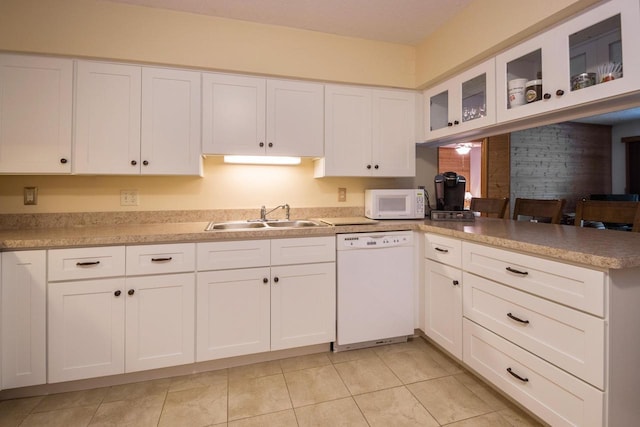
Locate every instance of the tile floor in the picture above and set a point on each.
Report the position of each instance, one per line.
(408, 384)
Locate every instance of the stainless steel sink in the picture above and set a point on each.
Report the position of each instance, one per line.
(252, 225)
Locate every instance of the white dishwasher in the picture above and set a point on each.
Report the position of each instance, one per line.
(375, 289)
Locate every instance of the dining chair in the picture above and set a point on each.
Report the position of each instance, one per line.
(492, 207)
(611, 212)
(539, 209)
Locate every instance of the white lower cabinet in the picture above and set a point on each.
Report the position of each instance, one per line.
(23, 319)
(264, 295)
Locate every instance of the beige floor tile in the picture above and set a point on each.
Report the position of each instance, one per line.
(445, 361)
(255, 370)
(257, 396)
(336, 413)
(305, 362)
(138, 412)
(13, 412)
(277, 419)
(138, 390)
(492, 419)
(483, 391)
(69, 417)
(315, 385)
(365, 375)
(413, 365)
(72, 399)
(348, 356)
(448, 400)
(518, 418)
(202, 379)
(195, 406)
(394, 407)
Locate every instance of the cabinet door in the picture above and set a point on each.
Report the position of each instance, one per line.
(35, 114)
(85, 329)
(107, 118)
(303, 305)
(23, 325)
(170, 139)
(394, 139)
(443, 306)
(347, 144)
(233, 313)
(233, 114)
(295, 118)
(160, 323)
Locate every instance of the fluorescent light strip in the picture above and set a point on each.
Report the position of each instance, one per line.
(263, 160)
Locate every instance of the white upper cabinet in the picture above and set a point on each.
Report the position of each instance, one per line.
(35, 114)
(133, 120)
(465, 102)
(572, 61)
(253, 116)
(368, 132)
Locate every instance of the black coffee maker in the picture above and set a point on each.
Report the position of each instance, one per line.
(450, 188)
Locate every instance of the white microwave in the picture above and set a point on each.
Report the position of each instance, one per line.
(394, 204)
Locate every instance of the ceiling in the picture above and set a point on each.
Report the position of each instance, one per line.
(396, 21)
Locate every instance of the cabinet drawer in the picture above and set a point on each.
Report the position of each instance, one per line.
(159, 259)
(555, 396)
(570, 339)
(303, 250)
(566, 284)
(86, 263)
(237, 254)
(443, 249)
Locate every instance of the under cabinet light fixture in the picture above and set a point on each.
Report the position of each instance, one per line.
(463, 149)
(263, 160)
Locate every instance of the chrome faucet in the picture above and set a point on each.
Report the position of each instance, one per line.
(264, 213)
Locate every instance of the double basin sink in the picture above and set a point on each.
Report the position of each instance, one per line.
(257, 225)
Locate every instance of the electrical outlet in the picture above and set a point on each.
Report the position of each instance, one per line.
(30, 195)
(342, 194)
(128, 197)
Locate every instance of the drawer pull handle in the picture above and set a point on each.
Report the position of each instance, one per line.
(511, 316)
(87, 263)
(513, 270)
(161, 259)
(444, 251)
(524, 380)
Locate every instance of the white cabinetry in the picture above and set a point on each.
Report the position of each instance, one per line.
(107, 323)
(35, 114)
(278, 294)
(253, 116)
(443, 292)
(368, 132)
(465, 102)
(568, 50)
(136, 120)
(23, 319)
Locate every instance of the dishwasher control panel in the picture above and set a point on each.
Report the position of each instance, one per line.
(374, 240)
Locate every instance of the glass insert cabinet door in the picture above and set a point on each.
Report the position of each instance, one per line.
(582, 60)
(464, 102)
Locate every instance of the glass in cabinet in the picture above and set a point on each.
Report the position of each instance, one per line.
(585, 59)
(462, 103)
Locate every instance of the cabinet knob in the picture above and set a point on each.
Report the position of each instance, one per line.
(261, 144)
(376, 167)
(145, 162)
(131, 291)
(559, 92)
(265, 280)
(368, 166)
(276, 280)
(117, 293)
(547, 96)
(63, 160)
(270, 144)
(456, 283)
(133, 163)
(449, 124)
(455, 122)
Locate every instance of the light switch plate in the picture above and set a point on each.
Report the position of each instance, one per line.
(30, 195)
(129, 198)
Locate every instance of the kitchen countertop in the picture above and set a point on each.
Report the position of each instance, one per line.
(595, 248)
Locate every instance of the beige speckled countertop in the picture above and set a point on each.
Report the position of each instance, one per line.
(591, 247)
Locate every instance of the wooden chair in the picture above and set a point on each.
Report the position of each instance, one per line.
(539, 208)
(492, 207)
(609, 212)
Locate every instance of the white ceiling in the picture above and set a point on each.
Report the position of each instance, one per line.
(396, 21)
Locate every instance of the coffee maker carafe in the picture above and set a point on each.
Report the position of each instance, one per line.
(450, 189)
